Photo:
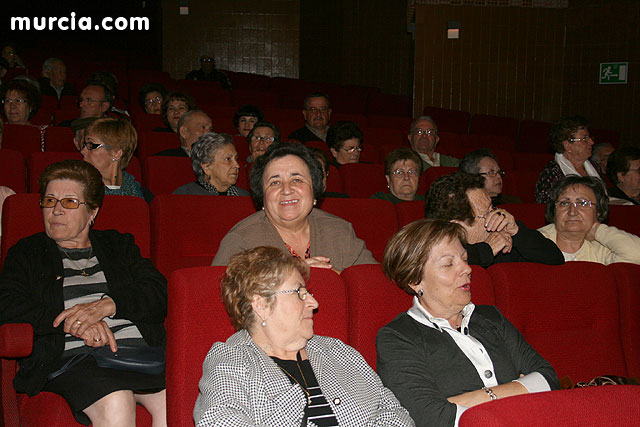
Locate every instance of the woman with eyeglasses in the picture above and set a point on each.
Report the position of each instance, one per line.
(570, 139)
(151, 97)
(484, 163)
(20, 100)
(345, 143)
(274, 371)
(109, 145)
(576, 208)
(402, 169)
(85, 291)
(260, 137)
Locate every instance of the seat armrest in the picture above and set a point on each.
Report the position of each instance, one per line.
(16, 340)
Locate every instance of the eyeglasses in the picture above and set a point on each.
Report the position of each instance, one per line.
(427, 132)
(578, 204)
(486, 214)
(493, 173)
(350, 150)
(156, 100)
(399, 172)
(18, 101)
(89, 100)
(583, 139)
(206, 60)
(91, 145)
(65, 202)
(301, 291)
(321, 110)
(263, 138)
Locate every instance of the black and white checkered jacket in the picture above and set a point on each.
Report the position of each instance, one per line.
(242, 386)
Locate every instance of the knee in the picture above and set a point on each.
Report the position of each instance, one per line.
(115, 409)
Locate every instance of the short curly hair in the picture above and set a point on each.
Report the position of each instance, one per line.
(408, 250)
(342, 131)
(562, 129)
(403, 153)
(447, 198)
(620, 161)
(595, 184)
(258, 271)
(177, 96)
(26, 89)
(150, 87)
(79, 171)
(276, 151)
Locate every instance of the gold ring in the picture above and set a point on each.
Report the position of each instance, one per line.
(79, 322)
(97, 339)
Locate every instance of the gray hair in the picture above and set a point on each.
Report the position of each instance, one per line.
(183, 119)
(469, 163)
(205, 149)
(47, 65)
(415, 122)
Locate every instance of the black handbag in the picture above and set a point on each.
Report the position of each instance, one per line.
(146, 360)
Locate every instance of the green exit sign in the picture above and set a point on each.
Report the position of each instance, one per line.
(613, 73)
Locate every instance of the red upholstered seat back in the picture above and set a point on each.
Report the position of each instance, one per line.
(533, 136)
(579, 407)
(197, 318)
(532, 214)
(163, 174)
(373, 220)
(59, 139)
(187, 230)
(362, 179)
(150, 143)
(22, 138)
(409, 211)
(12, 170)
(484, 124)
(628, 281)
(625, 218)
(449, 120)
(568, 313)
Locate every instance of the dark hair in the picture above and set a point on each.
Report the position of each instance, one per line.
(619, 161)
(261, 124)
(150, 87)
(321, 156)
(316, 95)
(561, 130)
(408, 251)
(595, 184)
(469, 163)
(108, 95)
(276, 151)
(177, 96)
(26, 89)
(78, 171)
(403, 153)
(249, 111)
(447, 198)
(339, 132)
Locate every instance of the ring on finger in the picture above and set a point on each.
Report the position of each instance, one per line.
(97, 339)
(78, 322)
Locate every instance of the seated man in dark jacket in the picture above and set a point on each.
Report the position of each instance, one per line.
(316, 113)
(53, 80)
(493, 234)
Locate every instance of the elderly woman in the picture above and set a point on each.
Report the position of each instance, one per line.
(286, 182)
(215, 163)
(576, 209)
(274, 371)
(245, 118)
(402, 169)
(260, 137)
(21, 101)
(174, 105)
(87, 293)
(109, 145)
(432, 355)
(570, 139)
(151, 97)
(345, 143)
(623, 170)
(484, 163)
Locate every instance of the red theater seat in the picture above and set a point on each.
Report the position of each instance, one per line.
(533, 137)
(22, 138)
(409, 211)
(449, 120)
(362, 179)
(150, 143)
(12, 170)
(627, 278)
(59, 139)
(532, 214)
(626, 218)
(430, 175)
(484, 124)
(163, 174)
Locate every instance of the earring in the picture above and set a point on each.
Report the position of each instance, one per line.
(264, 323)
(113, 159)
(314, 202)
(420, 293)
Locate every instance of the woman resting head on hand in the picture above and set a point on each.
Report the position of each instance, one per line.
(274, 371)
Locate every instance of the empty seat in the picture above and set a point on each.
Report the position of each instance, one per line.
(144, 122)
(163, 174)
(485, 124)
(449, 120)
(387, 121)
(59, 139)
(381, 135)
(12, 170)
(408, 212)
(625, 218)
(362, 179)
(359, 119)
(23, 138)
(150, 143)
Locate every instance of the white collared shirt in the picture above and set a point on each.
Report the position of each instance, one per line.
(435, 162)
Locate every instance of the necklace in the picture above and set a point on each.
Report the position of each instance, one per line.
(83, 271)
(304, 388)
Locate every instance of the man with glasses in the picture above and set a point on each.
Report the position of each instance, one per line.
(423, 138)
(493, 235)
(94, 101)
(316, 113)
(484, 163)
(191, 126)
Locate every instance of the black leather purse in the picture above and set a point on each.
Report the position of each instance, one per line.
(146, 360)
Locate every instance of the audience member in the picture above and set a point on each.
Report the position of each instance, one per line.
(21, 101)
(151, 96)
(570, 140)
(493, 235)
(175, 104)
(423, 138)
(53, 80)
(4, 67)
(286, 182)
(209, 73)
(276, 358)
(600, 154)
(215, 163)
(402, 169)
(87, 293)
(191, 126)
(109, 145)
(10, 54)
(345, 143)
(446, 354)
(79, 127)
(110, 81)
(576, 208)
(323, 159)
(623, 170)
(483, 162)
(316, 113)
(260, 137)
(94, 101)
(246, 117)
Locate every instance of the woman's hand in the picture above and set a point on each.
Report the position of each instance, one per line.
(501, 220)
(98, 335)
(591, 234)
(319, 262)
(500, 241)
(81, 316)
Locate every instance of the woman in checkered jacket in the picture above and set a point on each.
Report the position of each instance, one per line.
(274, 371)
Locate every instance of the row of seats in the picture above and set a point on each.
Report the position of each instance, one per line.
(583, 331)
(185, 231)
